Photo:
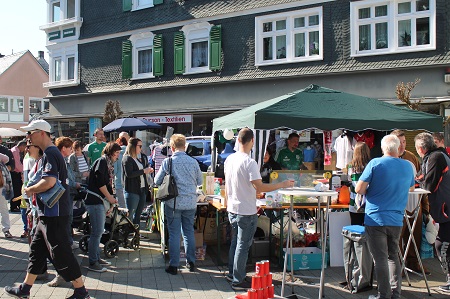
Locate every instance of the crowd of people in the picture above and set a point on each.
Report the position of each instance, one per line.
(118, 172)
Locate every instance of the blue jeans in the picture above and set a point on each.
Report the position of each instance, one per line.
(243, 228)
(383, 245)
(135, 204)
(23, 211)
(180, 221)
(97, 217)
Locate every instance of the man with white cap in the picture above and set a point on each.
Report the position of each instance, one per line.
(51, 236)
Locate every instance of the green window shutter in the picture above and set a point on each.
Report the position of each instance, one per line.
(127, 48)
(179, 53)
(127, 5)
(156, 2)
(158, 57)
(215, 48)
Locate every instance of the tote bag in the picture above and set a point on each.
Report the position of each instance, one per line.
(168, 188)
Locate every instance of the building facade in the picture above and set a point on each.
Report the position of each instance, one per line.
(184, 62)
(21, 92)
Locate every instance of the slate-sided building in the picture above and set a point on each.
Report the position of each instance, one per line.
(185, 62)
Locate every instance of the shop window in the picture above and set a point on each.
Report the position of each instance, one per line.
(198, 48)
(395, 26)
(289, 37)
(142, 56)
(131, 5)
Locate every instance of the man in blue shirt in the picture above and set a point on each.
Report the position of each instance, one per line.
(51, 238)
(386, 182)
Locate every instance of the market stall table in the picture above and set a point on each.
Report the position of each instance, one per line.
(323, 224)
(221, 210)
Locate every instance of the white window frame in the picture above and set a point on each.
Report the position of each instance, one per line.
(9, 115)
(63, 11)
(392, 19)
(141, 41)
(136, 5)
(63, 54)
(194, 33)
(290, 32)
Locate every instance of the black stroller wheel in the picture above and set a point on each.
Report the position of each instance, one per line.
(111, 248)
(135, 242)
(84, 242)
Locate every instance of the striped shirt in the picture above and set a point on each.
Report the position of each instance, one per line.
(82, 165)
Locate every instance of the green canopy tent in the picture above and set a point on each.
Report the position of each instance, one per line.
(326, 109)
(317, 107)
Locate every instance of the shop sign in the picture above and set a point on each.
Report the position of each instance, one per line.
(54, 35)
(68, 32)
(169, 119)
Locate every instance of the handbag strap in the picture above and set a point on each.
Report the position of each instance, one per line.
(170, 173)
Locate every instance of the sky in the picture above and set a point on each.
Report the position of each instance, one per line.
(19, 26)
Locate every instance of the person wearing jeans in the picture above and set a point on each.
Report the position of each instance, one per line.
(135, 169)
(100, 186)
(386, 182)
(97, 218)
(180, 212)
(242, 181)
(243, 227)
(184, 219)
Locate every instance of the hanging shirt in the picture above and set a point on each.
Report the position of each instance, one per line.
(308, 154)
(344, 151)
(367, 137)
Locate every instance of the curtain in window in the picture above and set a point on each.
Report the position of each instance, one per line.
(423, 31)
(267, 48)
(58, 70)
(381, 35)
(70, 68)
(281, 47)
(404, 33)
(314, 45)
(299, 44)
(199, 54)
(145, 61)
(364, 38)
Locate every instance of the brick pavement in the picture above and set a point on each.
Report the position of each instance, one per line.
(140, 274)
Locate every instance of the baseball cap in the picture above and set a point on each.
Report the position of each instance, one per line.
(39, 124)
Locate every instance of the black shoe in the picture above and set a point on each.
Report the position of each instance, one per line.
(242, 286)
(190, 266)
(172, 270)
(77, 296)
(16, 292)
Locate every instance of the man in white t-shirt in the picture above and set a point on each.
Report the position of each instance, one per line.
(242, 181)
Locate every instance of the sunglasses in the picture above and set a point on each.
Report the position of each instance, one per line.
(32, 132)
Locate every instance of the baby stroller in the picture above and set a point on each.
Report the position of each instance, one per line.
(119, 230)
(79, 212)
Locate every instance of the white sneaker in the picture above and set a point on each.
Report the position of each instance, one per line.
(103, 262)
(58, 280)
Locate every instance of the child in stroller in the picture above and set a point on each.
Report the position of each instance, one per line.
(119, 230)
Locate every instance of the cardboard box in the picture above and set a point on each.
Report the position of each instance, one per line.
(198, 239)
(306, 258)
(200, 253)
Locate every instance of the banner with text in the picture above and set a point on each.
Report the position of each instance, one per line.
(169, 119)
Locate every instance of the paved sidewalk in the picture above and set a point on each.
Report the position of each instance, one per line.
(140, 274)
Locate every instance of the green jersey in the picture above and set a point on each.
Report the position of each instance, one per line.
(288, 159)
(95, 151)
